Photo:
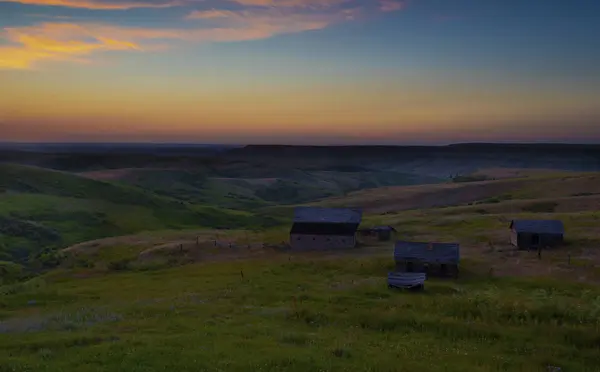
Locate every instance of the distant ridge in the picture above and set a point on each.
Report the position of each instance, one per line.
(459, 148)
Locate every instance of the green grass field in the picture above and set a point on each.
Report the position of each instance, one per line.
(46, 210)
(244, 187)
(164, 298)
(299, 315)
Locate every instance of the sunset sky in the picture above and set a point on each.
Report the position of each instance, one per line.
(300, 71)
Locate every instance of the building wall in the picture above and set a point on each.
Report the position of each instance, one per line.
(525, 240)
(514, 238)
(302, 241)
(384, 235)
(433, 270)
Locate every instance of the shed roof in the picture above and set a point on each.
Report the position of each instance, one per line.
(538, 226)
(427, 252)
(383, 228)
(327, 215)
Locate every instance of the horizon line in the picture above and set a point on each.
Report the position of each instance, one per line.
(216, 144)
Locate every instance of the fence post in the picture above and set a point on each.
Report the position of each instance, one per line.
(296, 307)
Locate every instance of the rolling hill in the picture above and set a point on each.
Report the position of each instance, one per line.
(568, 187)
(173, 300)
(42, 210)
(244, 186)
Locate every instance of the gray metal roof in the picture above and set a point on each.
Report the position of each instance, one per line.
(427, 252)
(383, 228)
(406, 280)
(327, 215)
(538, 226)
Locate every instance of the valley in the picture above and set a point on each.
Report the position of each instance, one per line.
(189, 268)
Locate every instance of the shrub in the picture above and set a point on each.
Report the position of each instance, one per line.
(119, 265)
(471, 178)
(10, 272)
(541, 207)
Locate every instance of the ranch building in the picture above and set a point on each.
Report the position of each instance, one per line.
(435, 259)
(324, 228)
(536, 234)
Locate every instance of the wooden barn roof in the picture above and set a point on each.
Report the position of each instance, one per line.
(427, 252)
(327, 215)
(538, 226)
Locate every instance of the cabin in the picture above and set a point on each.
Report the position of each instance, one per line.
(434, 259)
(324, 228)
(536, 234)
(382, 233)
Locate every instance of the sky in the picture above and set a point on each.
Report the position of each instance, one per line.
(300, 71)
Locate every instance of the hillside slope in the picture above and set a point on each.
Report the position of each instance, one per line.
(247, 186)
(391, 199)
(42, 210)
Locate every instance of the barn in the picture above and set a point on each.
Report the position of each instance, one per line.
(382, 233)
(324, 228)
(534, 234)
(436, 259)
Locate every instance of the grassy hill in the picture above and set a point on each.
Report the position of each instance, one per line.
(173, 300)
(243, 186)
(43, 210)
(301, 315)
(390, 199)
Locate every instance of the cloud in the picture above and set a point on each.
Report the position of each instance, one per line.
(269, 22)
(56, 42)
(26, 46)
(98, 4)
(392, 5)
(74, 42)
(133, 4)
(311, 4)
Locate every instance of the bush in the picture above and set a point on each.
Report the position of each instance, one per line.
(10, 272)
(120, 265)
(541, 207)
(20, 228)
(471, 178)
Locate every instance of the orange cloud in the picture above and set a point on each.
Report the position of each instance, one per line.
(73, 42)
(269, 22)
(55, 42)
(392, 5)
(314, 4)
(28, 45)
(97, 4)
(132, 4)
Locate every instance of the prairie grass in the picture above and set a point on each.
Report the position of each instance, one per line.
(299, 315)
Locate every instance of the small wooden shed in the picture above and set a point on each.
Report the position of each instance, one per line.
(382, 233)
(535, 234)
(324, 228)
(435, 259)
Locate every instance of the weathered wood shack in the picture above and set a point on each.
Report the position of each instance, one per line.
(534, 234)
(435, 259)
(324, 228)
(382, 233)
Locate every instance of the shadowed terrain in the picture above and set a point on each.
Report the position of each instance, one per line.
(131, 265)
